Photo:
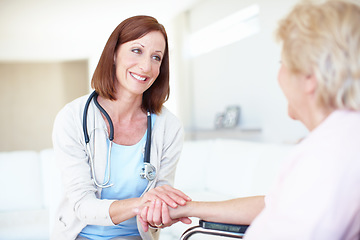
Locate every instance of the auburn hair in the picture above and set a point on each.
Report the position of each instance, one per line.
(104, 77)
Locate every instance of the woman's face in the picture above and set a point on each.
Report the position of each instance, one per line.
(138, 63)
(290, 84)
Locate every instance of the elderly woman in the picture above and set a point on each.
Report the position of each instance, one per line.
(317, 194)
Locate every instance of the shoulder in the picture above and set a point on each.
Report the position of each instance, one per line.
(77, 105)
(342, 124)
(73, 108)
(333, 144)
(167, 118)
(70, 116)
(166, 115)
(167, 126)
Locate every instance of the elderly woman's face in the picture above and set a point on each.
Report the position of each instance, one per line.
(292, 88)
(138, 63)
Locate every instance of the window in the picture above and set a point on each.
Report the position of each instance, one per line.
(228, 30)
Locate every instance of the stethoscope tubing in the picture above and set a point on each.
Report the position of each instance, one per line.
(148, 174)
(94, 95)
(148, 139)
(106, 183)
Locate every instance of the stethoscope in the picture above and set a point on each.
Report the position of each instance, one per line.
(147, 172)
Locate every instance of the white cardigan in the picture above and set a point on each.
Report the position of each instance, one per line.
(81, 204)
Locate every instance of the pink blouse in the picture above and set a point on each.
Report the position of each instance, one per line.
(317, 194)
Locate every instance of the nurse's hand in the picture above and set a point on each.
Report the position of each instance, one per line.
(171, 196)
(156, 214)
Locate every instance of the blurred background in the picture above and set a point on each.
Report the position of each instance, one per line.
(223, 56)
(223, 78)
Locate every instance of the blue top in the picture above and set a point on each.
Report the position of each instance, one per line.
(125, 168)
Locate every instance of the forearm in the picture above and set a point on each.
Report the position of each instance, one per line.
(122, 210)
(236, 211)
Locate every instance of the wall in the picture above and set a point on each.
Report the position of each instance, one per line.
(243, 73)
(31, 95)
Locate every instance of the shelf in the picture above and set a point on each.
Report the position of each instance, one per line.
(252, 134)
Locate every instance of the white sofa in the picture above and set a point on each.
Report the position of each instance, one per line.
(207, 170)
(30, 189)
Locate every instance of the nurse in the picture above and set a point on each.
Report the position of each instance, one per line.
(102, 184)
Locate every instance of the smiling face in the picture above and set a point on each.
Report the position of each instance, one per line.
(138, 63)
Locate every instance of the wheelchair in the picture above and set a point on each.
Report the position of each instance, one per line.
(217, 229)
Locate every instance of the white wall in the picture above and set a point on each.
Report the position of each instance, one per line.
(243, 73)
(43, 30)
(31, 94)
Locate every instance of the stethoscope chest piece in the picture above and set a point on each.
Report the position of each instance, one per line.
(148, 172)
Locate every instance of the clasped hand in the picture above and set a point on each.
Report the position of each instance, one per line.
(155, 206)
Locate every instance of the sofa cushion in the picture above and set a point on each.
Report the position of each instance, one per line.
(51, 179)
(242, 168)
(52, 186)
(21, 181)
(191, 168)
(27, 224)
(232, 166)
